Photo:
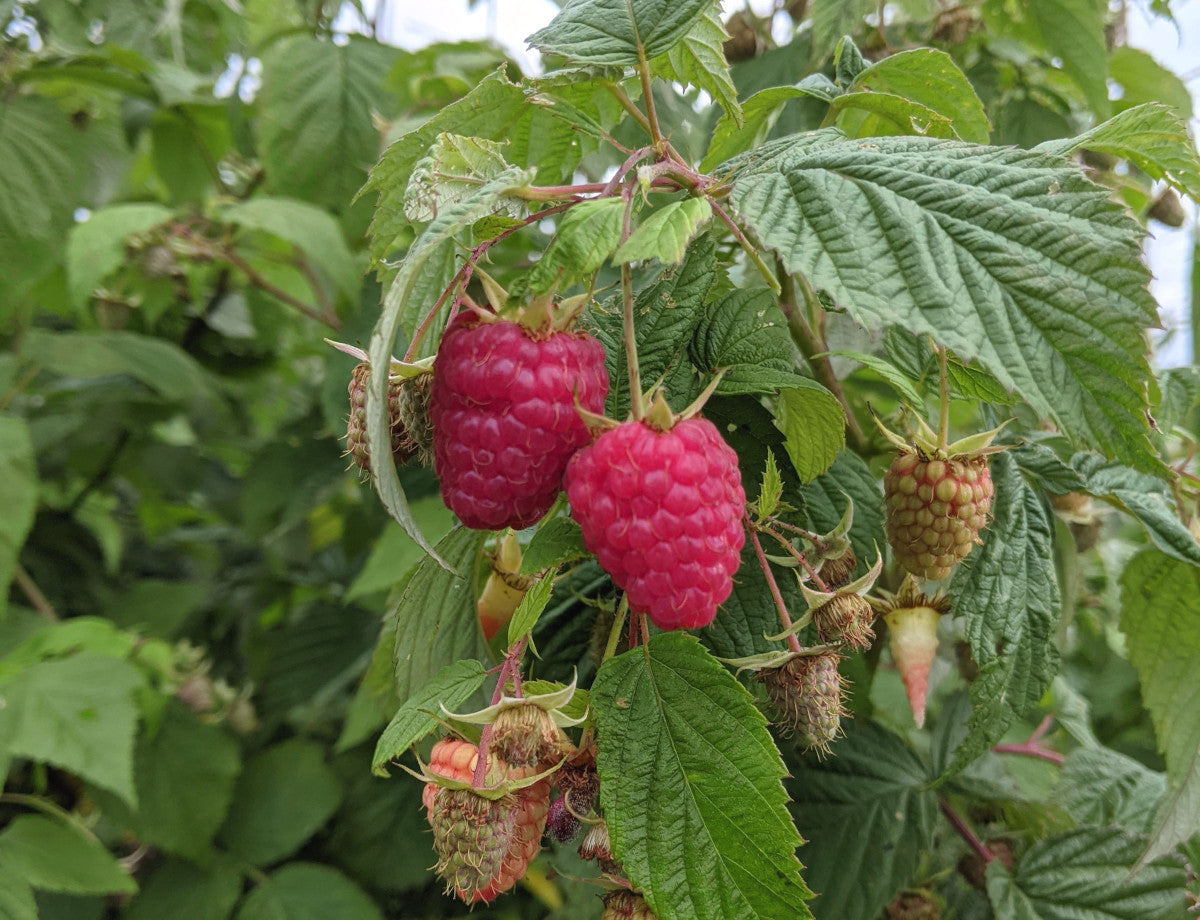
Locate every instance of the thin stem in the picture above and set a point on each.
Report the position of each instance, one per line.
(747, 247)
(1031, 749)
(814, 350)
(627, 104)
(30, 589)
(510, 667)
(785, 618)
(813, 538)
(1043, 727)
(944, 416)
(45, 805)
(628, 333)
(614, 634)
(648, 98)
(965, 832)
(800, 558)
(19, 386)
(279, 293)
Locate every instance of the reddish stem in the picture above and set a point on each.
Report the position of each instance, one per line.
(510, 667)
(1043, 727)
(800, 558)
(784, 617)
(965, 832)
(1031, 749)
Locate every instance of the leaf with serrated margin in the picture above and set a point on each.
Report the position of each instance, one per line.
(871, 114)
(1180, 388)
(1006, 592)
(1151, 137)
(618, 32)
(899, 381)
(1142, 79)
(18, 497)
(556, 542)
(585, 237)
(759, 114)
(665, 234)
(826, 499)
(744, 331)
(1084, 874)
(692, 787)
(814, 427)
(1144, 497)
(530, 608)
(1006, 256)
(930, 78)
(451, 221)
(866, 805)
(1160, 616)
(666, 314)
(454, 167)
(699, 59)
(1104, 787)
(915, 356)
(831, 19)
(452, 686)
(437, 622)
(1073, 31)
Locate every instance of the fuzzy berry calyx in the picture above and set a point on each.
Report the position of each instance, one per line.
(505, 422)
(807, 691)
(626, 905)
(662, 511)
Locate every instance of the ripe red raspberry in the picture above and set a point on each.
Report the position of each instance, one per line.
(936, 510)
(484, 846)
(504, 416)
(662, 511)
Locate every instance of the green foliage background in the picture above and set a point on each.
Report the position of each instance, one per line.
(210, 621)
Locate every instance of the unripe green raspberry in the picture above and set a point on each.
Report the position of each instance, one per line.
(845, 619)
(807, 691)
(626, 905)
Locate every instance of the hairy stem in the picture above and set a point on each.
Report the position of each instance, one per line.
(614, 634)
(814, 348)
(944, 414)
(251, 273)
(628, 334)
(965, 832)
(510, 667)
(627, 104)
(747, 247)
(817, 580)
(785, 618)
(648, 99)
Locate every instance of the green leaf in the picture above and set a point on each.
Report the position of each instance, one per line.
(185, 772)
(692, 787)
(1084, 874)
(666, 314)
(1022, 264)
(1146, 498)
(394, 552)
(18, 497)
(1151, 137)
(54, 855)
(96, 247)
(77, 713)
(284, 796)
(814, 425)
(1073, 31)
(454, 167)
(530, 608)
(618, 32)
(556, 541)
(931, 79)
(826, 499)
(831, 19)
(665, 234)
(771, 491)
(16, 897)
(866, 805)
(316, 132)
(732, 136)
(305, 891)
(871, 114)
(586, 236)
(699, 59)
(184, 891)
(1103, 787)
(899, 380)
(1006, 592)
(1160, 616)
(451, 687)
(1142, 79)
(311, 229)
(437, 622)
(436, 238)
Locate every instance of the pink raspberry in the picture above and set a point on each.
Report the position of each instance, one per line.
(504, 417)
(662, 511)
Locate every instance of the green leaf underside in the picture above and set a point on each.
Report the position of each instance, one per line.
(452, 686)
(439, 234)
(867, 804)
(1160, 615)
(664, 235)
(1007, 593)
(53, 855)
(436, 621)
(530, 608)
(1073, 31)
(618, 32)
(1151, 137)
(691, 785)
(1005, 256)
(1084, 874)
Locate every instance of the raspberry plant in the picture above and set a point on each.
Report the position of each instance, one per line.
(774, 509)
